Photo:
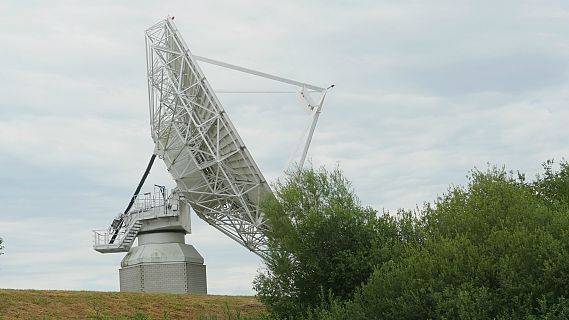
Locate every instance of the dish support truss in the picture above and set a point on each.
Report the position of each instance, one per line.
(202, 150)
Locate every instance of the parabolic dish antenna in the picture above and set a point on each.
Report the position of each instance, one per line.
(214, 172)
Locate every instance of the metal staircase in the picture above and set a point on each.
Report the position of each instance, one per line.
(123, 241)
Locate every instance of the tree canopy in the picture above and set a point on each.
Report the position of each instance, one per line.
(324, 243)
(496, 248)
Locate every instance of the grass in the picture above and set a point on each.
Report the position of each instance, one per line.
(40, 304)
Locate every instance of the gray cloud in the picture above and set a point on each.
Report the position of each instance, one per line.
(514, 73)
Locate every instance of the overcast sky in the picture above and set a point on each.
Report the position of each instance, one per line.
(425, 91)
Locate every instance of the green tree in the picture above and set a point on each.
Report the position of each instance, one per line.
(553, 185)
(495, 249)
(324, 243)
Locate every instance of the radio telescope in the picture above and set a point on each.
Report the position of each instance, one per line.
(214, 172)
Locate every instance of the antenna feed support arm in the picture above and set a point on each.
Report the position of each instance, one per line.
(315, 107)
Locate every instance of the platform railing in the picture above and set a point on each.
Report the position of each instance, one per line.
(145, 207)
(145, 210)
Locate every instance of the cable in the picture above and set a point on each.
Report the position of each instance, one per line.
(136, 192)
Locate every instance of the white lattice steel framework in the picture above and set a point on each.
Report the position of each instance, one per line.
(201, 148)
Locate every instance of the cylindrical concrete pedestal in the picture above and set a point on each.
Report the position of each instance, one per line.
(163, 262)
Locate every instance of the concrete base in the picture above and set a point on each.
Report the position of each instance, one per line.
(162, 262)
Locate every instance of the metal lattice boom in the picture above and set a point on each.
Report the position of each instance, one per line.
(201, 148)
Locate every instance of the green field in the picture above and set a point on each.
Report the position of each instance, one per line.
(40, 304)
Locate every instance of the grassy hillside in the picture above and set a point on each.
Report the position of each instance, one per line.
(36, 304)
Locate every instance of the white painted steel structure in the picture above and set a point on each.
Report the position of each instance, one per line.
(213, 170)
(202, 150)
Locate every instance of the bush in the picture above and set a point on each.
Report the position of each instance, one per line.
(324, 243)
(496, 249)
